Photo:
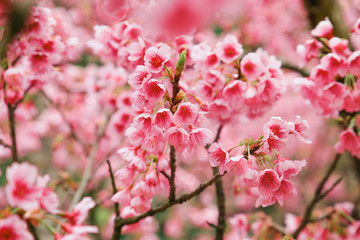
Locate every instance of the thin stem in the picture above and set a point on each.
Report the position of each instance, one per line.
(179, 200)
(87, 173)
(11, 115)
(220, 198)
(291, 67)
(4, 144)
(172, 194)
(317, 196)
(32, 230)
(117, 229)
(71, 127)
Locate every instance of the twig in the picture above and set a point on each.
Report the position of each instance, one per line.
(11, 115)
(165, 175)
(71, 127)
(277, 227)
(87, 173)
(32, 230)
(172, 194)
(4, 144)
(179, 200)
(117, 229)
(220, 198)
(317, 196)
(220, 195)
(326, 216)
(291, 67)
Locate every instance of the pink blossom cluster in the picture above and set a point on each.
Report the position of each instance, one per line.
(234, 88)
(332, 85)
(252, 162)
(258, 225)
(27, 192)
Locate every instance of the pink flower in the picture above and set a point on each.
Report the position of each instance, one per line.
(298, 128)
(140, 75)
(269, 182)
(323, 29)
(220, 110)
(354, 230)
(229, 49)
(348, 140)
(163, 118)
(14, 78)
(251, 66)
(275, 133)
(153, 90)
(285, 191)
(49, 201)
(140, 204)
(218, 156)
(80, 211)
(21, 190)
(339, 46)
(356, 28)
(354, 63)
(136, 50)
(287, 168)
(186, 114)
(177, 137)
(13, 228)
(335, 64)
(122, 197)
(156, 57)
(116, 9)
(200, 137)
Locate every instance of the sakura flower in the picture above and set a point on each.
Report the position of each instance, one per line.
(163, 118)
(116, 9)
(156, 57)
(287, 168)
(269, 182)
(80, 211)
(200, 137)
(339, 46)
(285, 191)
(218, 156)
(122, 197)
(354, 63)
(229, 49)
(356, 28)
(153, 90)
(348, 140)
(140, 75)
(186, 114)
(354, 230)
(14, 228)
(21, 190)
(140, 204)
(298, 128)
(251, 66)
(136, 50)
(177, 137)
(323, 29)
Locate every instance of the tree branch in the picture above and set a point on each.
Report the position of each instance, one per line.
(11, 116)
(291, 67)
(179, 200)
(117, 229)
(317, 196)
(172, 194)
(87, 173)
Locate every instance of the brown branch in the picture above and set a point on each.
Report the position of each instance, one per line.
(220, 195)
(165, 175)
(11, 116)
(32, 230)
(87, 173)
(179, 200)
(220, 198)
(291, 67)
(4, 144)
(172, 194)
(317, 196)
(117, 229)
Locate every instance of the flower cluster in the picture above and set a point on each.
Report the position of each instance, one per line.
(252, 162)
(333, 84)
(27, 193)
